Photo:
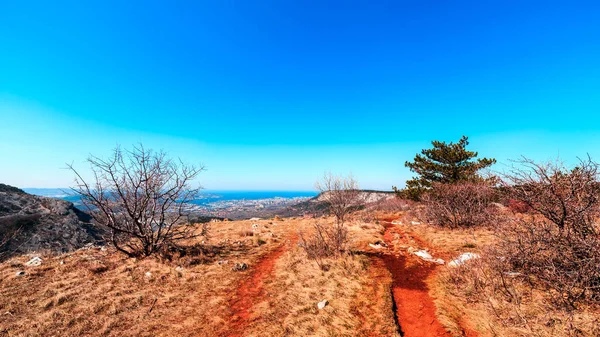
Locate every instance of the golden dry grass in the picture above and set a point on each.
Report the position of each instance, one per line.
(472, 297)
(94, 292)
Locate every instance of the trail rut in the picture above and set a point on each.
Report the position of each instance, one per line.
(415, 310)
(251, 290)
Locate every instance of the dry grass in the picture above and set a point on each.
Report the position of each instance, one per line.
(94, 292)
(475, 297)
(101, 293)
(298, 286)
(503, 305)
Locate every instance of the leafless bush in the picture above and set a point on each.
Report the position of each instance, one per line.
(342, 195)
(558, 243)
(460, 204)
(325, 242)
(141, 196)
(568, 198)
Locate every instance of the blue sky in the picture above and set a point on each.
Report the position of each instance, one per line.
(270, 94)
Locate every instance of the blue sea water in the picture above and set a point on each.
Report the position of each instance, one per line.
(205, 197)
(213, 196)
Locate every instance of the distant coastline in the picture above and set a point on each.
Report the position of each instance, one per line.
(205, 197)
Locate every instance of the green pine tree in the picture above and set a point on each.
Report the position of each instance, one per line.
(444, 163)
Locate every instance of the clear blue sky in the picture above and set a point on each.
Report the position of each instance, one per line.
(269, 94)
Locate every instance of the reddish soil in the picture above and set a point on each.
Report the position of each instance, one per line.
(415, 310)
(251, 291)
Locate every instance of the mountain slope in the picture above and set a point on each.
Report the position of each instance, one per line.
(30, 223)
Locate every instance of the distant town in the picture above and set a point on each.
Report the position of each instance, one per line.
(244, 208)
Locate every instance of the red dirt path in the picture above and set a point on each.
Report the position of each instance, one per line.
(415, 310)
(251, 290)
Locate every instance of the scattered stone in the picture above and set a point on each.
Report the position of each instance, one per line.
(322, 304)
(423, 254)
(36, 261)
(463, 258)
(239, 266)
(20, 273)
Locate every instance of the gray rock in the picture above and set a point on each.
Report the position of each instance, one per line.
(35, 261)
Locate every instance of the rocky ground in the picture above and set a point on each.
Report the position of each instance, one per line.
(30, 223)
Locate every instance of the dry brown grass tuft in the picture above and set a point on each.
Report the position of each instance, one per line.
(505, 304)
(357, 305)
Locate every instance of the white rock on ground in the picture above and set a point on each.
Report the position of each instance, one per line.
(376, 246)
(254, 219)
(423, 254)
(415, 223)
(36, 261)
(463, 258)
(20, 273)
(148, 274)
(396, 222)
(322, 304)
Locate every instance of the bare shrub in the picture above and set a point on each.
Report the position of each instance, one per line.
(325, 242)
(342, 195)
(460, 204)
(567, 197)
(141, 196)
(558, 243)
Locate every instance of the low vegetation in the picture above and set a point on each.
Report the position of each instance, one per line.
(140, 195)
(514, 255)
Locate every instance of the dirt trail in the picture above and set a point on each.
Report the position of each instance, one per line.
(251, 290)
(415, 310)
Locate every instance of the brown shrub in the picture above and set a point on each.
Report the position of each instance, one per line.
(461, 204)
(558, 244)
(326, 241)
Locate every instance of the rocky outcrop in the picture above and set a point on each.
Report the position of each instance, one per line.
(31, 223)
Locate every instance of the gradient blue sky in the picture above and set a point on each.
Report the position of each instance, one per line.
(270, 94)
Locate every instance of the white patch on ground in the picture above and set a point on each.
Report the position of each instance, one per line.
(463, 258)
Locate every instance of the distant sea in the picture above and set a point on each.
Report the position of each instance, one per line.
(205, 197)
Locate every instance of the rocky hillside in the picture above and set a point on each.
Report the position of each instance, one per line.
(365, 196)
(30, 223)
(318, 205)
